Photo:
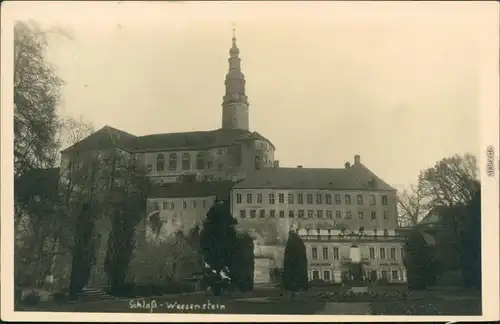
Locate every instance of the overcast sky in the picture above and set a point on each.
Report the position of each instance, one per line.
(397, 84)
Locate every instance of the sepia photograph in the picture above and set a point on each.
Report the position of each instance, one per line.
(241, 159)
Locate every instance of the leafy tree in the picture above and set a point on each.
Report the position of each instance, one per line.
(127, 195)
(193, 240)
(218, 238)
(471, 244)
(243, 264)
(294, 264)
(418, 262)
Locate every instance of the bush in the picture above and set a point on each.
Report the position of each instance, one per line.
(32, 299)
(243, 264)
(322, 283)
(419, 262)
(60, 297)
(295, 264)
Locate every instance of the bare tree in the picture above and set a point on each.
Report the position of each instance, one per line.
(412, 205)
(36, 95)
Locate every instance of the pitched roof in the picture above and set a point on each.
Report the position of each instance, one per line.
(37, 182)
(354, 178)
(220, 189)
(109, 137)
(432, 218)
(193, 140)
(104, 138)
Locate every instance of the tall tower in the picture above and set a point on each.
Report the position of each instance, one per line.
(235, 103)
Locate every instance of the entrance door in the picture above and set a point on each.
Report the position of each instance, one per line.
(261, 270)
(373, 275)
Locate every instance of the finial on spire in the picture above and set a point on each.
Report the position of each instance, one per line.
(234, 51)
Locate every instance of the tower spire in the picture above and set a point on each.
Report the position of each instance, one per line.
(235, 104)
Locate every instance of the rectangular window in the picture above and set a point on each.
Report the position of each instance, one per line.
(262, 213)
(373, 201)
(393, 253)
(272, 213)
(238, 198)
(360, 215)
(301, 213)
(347, 199)
(249, 198)
(386, 215)
(382, 253)
(374, 215)
(204, 203)
(348, 215)
(384, 200)
(329, 214)
(281, 198)
(243, 214)
(325, 253)
(326, 275)
(328, 199)
(384, 275)
(336, 253)
(319, 213)
(402, 253)
(314, 252)
(165, 205)
(290, 214)
(259, 198)
(282, 214)
(315, 275)
(252, 213)
(209, 165)
(194, 203)
(338, 214)
(395, 275)
(360, 199)
(290, 198)
(309, 199)
(310, 213)
(300, 199)
(271, 198)
(319, 199)
(337, 199)
(372, 253)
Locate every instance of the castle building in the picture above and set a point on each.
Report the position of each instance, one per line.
(190, 171)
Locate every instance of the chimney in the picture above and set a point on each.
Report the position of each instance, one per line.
(276, 163)
(347, 165)
(357, 159)
(299, 166)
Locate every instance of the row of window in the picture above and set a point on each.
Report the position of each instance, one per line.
(309, 199)
(395, 275)
(328, 214)
(382, 254)
(200, 164)
(185, 204)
